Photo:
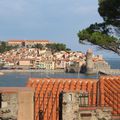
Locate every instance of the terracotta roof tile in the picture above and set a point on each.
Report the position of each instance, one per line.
(102, 92)
(28, 40)
(48, 90)
(110, 92)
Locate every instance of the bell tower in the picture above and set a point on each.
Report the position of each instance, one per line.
(89, 62)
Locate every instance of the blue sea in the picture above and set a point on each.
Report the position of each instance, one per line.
(114, 62)
(21, 79)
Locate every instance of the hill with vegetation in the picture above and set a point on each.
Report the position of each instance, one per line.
(55, 47)
(5, 47)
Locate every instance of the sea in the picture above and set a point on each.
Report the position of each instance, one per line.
(21, 79)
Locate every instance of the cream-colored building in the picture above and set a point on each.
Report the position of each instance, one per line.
(41, 65)
(28, 42)
(25, 63)
(50, 65)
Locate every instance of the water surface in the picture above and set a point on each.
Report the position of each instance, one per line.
(21, 79)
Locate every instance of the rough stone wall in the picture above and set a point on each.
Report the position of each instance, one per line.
(16, 104)
(71, 102)
(70, 106)
(89, 62)
(97, 113)
(73, 68)
(95, 67)
(75, 108)
(9, 106)
(101, 65)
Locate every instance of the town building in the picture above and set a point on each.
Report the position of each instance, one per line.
(25, 58)
(26, 62)
(27, 43)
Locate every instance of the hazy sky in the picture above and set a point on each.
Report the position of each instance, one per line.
(55, 20)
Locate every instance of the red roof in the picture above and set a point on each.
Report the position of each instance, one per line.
(48, 90)
(104, 92)
(110, 92)
(28, 40)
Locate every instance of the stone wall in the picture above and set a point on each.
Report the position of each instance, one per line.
(16, 104)
(9, 106)
(74, 106)
(89, 62)
(70, 106)
(95, 66)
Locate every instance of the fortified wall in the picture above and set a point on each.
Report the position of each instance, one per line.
(94, 67)
(91, 66)
(98, 66)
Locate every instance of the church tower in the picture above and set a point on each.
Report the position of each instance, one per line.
(89, 62)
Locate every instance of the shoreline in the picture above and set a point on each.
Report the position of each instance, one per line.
(29, 71)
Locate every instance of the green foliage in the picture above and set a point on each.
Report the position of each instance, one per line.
(1, 65)
(98, 33)
(84, 35)
(96, 37)
(4, 47)
(57, 47)
(110, 11)
(39, 46)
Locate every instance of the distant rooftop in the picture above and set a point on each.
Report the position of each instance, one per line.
(28, 40)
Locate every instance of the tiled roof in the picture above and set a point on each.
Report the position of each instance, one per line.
(110, 92)
(47, 93)
(104, 92)
(28, 41)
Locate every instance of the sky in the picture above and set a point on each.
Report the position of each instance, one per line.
(54, 20)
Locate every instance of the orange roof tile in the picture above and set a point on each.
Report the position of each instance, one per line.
(110, 92)
(103, 92)
(48, 90)
(28, 40)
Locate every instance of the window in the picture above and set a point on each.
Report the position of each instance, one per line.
(70, 97)
(83, 100)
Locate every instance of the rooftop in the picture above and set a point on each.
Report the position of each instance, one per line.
(102, 93)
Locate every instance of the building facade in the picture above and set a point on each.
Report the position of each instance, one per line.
(28, 43)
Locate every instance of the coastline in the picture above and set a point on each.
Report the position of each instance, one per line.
(29, 71)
